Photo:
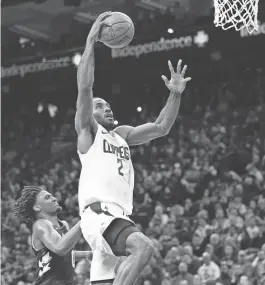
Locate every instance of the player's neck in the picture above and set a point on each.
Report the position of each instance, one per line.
(53, 219)
(108, 129)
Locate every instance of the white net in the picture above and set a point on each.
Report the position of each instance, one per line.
(236, 14)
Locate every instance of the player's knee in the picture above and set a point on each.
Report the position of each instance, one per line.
(138, 243)
(147, 249)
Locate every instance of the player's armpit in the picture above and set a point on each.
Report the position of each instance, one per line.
(86, 139)
(85, 123)
(141, 134)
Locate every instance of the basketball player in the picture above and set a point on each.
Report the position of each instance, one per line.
(107, 175)
(52, 241)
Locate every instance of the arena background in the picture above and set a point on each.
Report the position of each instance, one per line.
(203, 185)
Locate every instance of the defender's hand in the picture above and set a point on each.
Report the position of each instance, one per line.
(93, 34)
(177, 82)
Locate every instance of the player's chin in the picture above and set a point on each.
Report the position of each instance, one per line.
(109, 123)
(58, 209)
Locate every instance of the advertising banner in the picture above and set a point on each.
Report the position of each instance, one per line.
(194, 42)
(205, 38)
(199, 40)
(34, 67)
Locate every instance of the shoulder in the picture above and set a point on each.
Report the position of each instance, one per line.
(92, 130)
(41, 226)
(42, 223)
(123, 131)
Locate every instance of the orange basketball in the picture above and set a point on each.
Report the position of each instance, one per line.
(119, 32)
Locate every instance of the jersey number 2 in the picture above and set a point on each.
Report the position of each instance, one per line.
(120, 166)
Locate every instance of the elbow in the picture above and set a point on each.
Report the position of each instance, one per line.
(61, 251)
(163, 130)
(166, 132)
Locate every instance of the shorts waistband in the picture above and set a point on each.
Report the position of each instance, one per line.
(100, 207)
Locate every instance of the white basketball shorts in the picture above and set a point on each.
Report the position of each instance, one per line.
(104, 262)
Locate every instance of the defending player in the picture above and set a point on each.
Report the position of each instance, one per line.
(107, 176)
(52, 241)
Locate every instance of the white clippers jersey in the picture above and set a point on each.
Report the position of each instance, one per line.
(107, 173)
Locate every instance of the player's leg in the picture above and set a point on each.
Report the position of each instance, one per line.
(139, 250)
(103, 267)
(122, 238)
(125, 239)
(112, 268)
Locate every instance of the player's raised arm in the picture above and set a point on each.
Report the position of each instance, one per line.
(61, 245)
(161, 127)
(77, 254)
(84, 119)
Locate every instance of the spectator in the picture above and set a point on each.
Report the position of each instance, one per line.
(191, 260)
(159, 216)
(244, 281)
(259, 267)
(209, 271)
(197, 244)
(183, 275)
(197, 280)
(202, 229)
(171, 260)
(229, 255)
(217, 247)
(209, 249)
(225, 277)
(220, 223)
(242, 261)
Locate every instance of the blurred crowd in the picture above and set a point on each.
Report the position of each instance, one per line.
(199, 193)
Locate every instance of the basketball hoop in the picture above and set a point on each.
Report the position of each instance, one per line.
(236, 14)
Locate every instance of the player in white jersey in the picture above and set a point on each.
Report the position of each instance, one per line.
(107, 178)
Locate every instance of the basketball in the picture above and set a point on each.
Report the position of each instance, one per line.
(118, 31)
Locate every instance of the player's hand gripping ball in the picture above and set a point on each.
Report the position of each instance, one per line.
(117, 31)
